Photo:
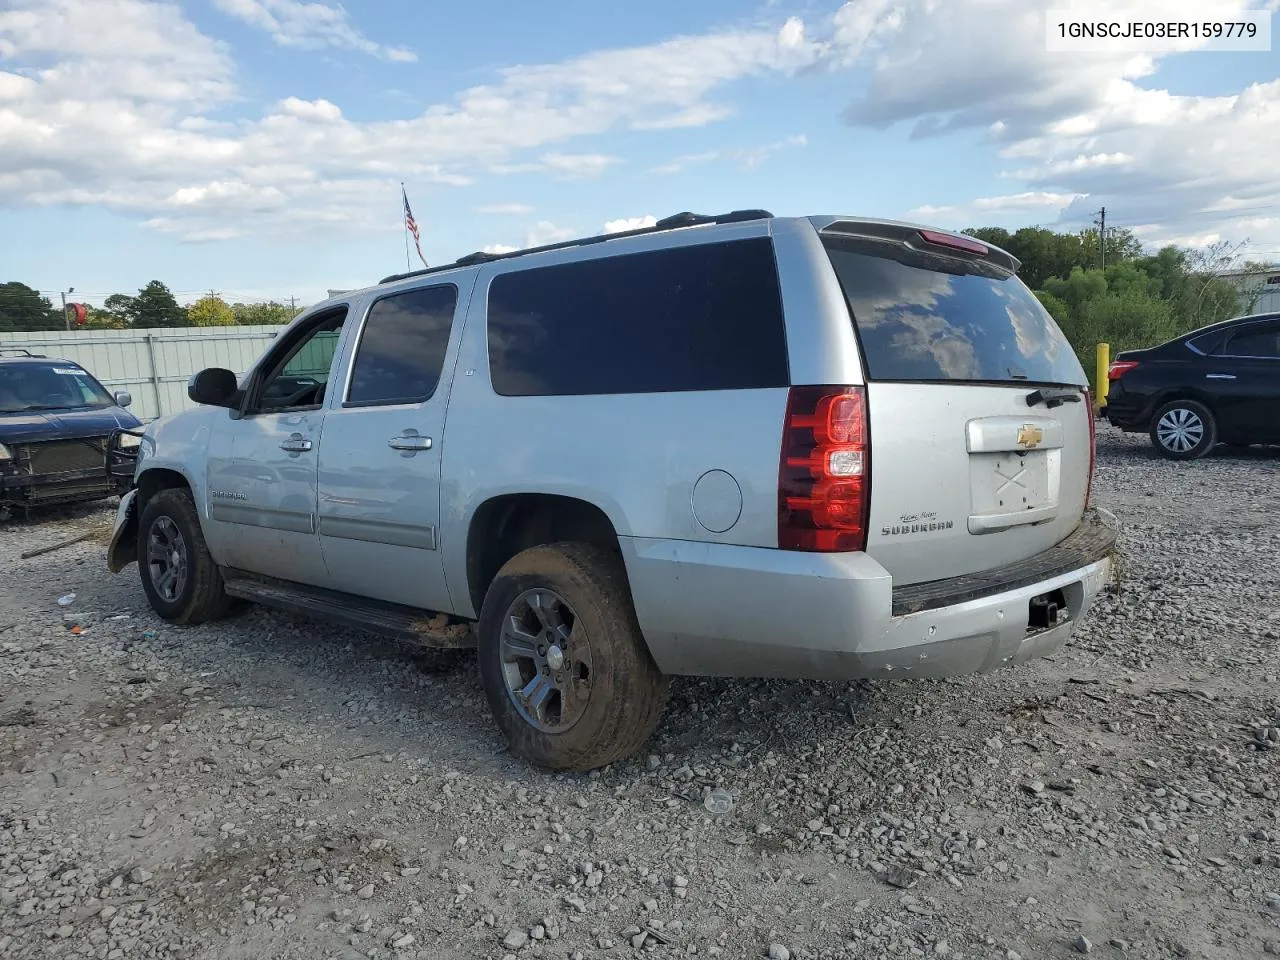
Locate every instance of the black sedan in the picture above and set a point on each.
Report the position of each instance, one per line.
(1218, 384)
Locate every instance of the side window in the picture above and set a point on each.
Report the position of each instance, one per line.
(706, 317)
(1262, 341)
(300, 372)
(402, 347)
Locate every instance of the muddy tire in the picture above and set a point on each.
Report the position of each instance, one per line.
(568, 675)
(1183, 430)
(179, 577)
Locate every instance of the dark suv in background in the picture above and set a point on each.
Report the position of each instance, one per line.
(57, 426)
(1218, 384)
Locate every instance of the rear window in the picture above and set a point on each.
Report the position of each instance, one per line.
(706, 317)
(926, 317)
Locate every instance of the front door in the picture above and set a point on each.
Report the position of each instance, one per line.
(1245, 376)
(262, 464)
(379, 480)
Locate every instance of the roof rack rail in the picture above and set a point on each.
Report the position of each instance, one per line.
(18, 352)
(674, 222)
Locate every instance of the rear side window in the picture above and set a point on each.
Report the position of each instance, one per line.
(705, 317)
(926, 317)
(1262, 342)
(402, 347)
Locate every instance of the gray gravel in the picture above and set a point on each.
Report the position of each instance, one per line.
(270, 786)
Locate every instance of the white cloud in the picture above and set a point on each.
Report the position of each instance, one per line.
(746, 158)
(539, 235)
(630, 223)
(309, 24)
(577, 166)
(133, 85)
(1086, 130)
(1039, 205)
(504, 208)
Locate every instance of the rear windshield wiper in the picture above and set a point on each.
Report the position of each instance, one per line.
(1051, 397)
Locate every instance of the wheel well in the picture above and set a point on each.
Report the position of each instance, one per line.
(153, 481)
(1181, 393)
(504, 526)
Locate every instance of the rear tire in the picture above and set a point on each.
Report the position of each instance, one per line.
(179, 577)
(565, 668)
(1183, 430)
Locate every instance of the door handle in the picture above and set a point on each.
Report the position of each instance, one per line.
(296, 444)
(410, 441)
(1219, 376)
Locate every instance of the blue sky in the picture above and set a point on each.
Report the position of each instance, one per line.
(255, 147)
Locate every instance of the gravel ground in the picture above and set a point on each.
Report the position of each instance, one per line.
(274, 787)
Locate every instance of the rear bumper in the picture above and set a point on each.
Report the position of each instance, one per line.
(1129, 413)
(717, 610)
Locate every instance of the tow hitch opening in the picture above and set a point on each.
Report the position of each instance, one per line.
(1045, 610)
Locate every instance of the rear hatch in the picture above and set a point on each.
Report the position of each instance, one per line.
(980, 424)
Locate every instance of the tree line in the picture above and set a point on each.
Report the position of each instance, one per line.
(23, 308)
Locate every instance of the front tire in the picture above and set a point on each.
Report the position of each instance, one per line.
(179, 577)
(565, 668)
(1183, 430)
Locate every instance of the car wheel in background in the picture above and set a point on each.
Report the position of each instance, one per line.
(1183, 430)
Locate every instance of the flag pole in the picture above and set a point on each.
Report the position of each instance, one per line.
(404, 224)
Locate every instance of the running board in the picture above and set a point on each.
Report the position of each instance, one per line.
(422, 628)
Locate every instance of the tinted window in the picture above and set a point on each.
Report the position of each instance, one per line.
(922, 316)
(1260, 341)
(691, 318)
(402, 349)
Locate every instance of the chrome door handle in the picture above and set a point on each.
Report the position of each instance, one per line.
(1219, 376)
(296, 444)
(411, 441)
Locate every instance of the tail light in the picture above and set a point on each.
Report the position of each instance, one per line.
(1093, 444)
(1119, 368)
(824, 475)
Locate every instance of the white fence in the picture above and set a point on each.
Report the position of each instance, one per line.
(153, 365)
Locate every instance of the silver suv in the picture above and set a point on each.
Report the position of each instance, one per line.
(744, 445)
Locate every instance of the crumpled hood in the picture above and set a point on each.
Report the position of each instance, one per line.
(37, 425)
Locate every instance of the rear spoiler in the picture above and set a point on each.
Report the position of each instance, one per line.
(923, 239)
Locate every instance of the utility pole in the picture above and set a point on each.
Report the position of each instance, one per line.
(66, 318)
(1102, 237)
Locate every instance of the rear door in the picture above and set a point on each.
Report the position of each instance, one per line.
(1245, 378)
(981, 434)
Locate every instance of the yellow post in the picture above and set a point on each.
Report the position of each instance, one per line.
(1103, 384)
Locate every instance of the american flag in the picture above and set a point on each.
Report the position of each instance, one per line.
(412, 225)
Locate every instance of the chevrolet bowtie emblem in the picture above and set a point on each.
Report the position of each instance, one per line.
(1029, 435)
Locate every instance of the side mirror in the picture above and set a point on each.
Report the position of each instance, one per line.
(213, 387)
(123, 398)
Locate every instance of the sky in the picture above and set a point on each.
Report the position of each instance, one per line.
(256, 147)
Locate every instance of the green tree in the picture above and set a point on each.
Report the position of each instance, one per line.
(210, 311)
(250, 314)
(102, 319)
(1077, 288)
(122, 307)
(22, 308)
(154, 306)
